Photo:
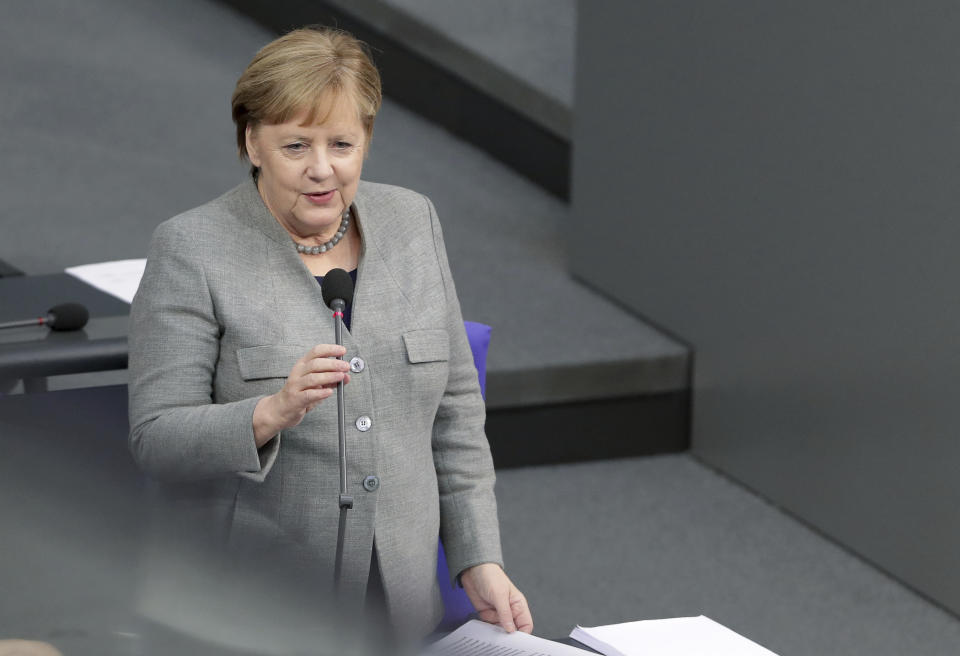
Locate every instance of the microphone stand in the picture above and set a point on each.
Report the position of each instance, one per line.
(39, 321)
(345, 500)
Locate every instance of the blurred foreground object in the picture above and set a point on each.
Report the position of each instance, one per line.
(27, 648)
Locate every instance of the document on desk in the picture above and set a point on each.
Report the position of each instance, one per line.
(119, 278)
(678, 636)
(476, 638)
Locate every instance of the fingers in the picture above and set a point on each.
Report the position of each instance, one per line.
(488, 615)
(501, 602)
(312, 379)
(319, 368)
(496, 599)
(314, 396)
(521, 611)
(509, 611)
(309, 365)
(321, 380)
(326, 351)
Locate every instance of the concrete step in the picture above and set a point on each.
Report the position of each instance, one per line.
(532, 41)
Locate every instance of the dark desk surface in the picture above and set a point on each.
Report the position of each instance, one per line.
(36, 351)
(22, 297)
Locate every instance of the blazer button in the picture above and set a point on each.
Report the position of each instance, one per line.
(371, 483)
(364, 423)
(357, 365)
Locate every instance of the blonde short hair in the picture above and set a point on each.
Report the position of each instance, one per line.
(307, 70)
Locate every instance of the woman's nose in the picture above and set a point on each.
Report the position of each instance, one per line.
(319, 167)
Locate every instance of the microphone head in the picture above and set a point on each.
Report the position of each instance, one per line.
(337, 283)
(67, 316)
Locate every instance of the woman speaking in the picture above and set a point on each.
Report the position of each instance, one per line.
(232, 362)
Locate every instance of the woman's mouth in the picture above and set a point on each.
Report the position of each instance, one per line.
(320, 198)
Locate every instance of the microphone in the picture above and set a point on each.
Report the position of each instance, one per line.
(65, 316)
(337, 290)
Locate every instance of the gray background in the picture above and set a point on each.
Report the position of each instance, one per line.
(777, 183)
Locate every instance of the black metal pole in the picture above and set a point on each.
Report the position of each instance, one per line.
(345, 501)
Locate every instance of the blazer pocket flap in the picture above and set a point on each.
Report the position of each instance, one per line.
(270, 361)
(427, 345)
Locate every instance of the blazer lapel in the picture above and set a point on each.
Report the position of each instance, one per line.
(298, 300)
(378, 292)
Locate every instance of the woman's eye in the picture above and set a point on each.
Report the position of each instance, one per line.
(342, 145)
(295, 147)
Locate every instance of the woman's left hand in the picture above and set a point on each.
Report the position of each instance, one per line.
(496, 598)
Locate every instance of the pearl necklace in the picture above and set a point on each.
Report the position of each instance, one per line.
(323, 248)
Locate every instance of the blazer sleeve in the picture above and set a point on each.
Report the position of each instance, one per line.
(178, 431)
(468, 508)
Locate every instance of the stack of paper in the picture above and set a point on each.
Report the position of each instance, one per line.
(120, 278)
(476, 638)
(679, 636)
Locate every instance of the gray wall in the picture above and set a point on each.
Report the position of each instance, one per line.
(779, 184)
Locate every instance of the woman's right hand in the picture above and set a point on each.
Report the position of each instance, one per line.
(313, 378)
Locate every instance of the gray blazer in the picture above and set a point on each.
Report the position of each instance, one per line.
(224, 310)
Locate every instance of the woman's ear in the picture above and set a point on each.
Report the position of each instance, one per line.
(252, 153)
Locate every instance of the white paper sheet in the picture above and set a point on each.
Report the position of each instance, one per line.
(119, 278)
(476, 638)
(678, 636)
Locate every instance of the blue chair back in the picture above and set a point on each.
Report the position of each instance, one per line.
(456, 604)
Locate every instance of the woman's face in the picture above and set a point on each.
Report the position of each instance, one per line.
(309, 173)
